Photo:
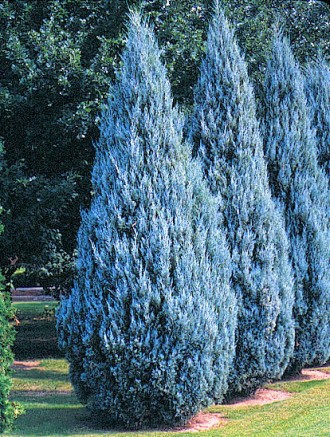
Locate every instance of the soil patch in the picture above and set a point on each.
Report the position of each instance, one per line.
(261, 397)
(308, 375)
(26, 365)
(203, 421)
(40, 393)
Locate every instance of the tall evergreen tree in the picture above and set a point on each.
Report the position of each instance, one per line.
(301, 188)
(226, 136)
(149, 326)
(317, 87)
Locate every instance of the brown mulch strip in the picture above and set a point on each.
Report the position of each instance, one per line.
(33, 298)
(309, 375)
(261, 397)
(26, 365)
(40, 393)
(203, 421)
(315, 374)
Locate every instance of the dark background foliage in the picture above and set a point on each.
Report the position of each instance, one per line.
(57, 60)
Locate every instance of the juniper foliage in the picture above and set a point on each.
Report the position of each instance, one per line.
(226, 136)
(150, 324)
(317, 87)
(301, 188)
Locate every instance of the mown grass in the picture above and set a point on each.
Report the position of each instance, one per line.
(49, 376)
(295, 386)
(306, 413)
(51, 408)
(36, 334)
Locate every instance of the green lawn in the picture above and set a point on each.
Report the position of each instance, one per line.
(36, 333)
(51, 409)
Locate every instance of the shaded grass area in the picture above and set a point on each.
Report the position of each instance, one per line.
(53, 410)
(36, 336)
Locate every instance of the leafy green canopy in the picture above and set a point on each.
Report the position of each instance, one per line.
(301, 188)
(149, 326)
(306, 22)
(57, 60)
(226, 136)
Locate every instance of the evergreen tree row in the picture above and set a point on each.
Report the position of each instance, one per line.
(202, 263)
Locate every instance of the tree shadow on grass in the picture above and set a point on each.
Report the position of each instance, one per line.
(45, 374)
(56, 415)
(40, 420)
(36, 339)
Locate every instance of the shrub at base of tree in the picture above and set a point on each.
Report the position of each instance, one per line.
(149, 326)
(7, 408)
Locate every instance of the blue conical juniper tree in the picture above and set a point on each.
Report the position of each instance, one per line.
(301, 188)
(317, 87)
(149, 328)
(226, 136)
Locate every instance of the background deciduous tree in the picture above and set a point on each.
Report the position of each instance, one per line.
(307, 23)
(57, 59)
